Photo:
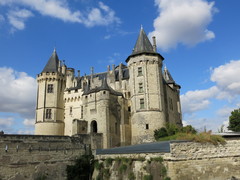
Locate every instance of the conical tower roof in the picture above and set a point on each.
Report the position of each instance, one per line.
(143, 45)
(52, 64)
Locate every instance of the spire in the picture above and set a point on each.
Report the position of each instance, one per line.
(143, 44)
(52, 64)
(167, 76)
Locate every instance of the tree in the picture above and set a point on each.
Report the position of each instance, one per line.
(234, 121)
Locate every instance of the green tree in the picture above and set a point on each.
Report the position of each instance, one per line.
(234, 120)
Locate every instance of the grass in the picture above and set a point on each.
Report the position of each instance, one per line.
(203, 137)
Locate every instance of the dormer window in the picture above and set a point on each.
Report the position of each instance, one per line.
(50, 88)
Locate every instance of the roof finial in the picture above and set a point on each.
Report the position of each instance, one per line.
(141, 26)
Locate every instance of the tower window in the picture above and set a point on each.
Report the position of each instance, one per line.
(70, 112)
(140, 85)
(141, 103)
(147, 126)
(170, 103)
(50, 88)
(140, 71)
(81, 112)
(48, 113)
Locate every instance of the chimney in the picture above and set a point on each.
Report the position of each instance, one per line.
(154, 44)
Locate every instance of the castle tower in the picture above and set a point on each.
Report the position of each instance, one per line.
(50, 105)
(147, 92)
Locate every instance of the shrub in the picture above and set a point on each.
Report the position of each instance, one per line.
(172, 129)
(148, 177)
(82, 169)
(123, 168)
(189, 129)
(162, 132)
(109, 161)
(131, 176)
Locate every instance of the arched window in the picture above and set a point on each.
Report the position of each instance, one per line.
(94, 126)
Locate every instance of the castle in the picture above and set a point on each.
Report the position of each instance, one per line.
(125, 104)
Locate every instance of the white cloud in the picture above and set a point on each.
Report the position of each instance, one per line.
(197, 100)
(29, 122)
(6, 122)
(98, 16)
(225, 91)
(17, 18)
(17, 92)
(182, 22)
(227, 78)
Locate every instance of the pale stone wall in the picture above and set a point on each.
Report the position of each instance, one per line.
(188, 161)
(150, 115)
(53, 101)
(28, 157)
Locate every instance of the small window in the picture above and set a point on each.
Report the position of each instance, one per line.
(141, 103)
(48, 113)
(50, 88)
(116, 129)
(76, 90)
(81, 112)
(170, 103)
(129, 108)
(140, 85)
(104, 92)
(147, 126)
(70, 111)
(140, 71)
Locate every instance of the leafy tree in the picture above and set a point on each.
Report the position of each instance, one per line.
(234, 120)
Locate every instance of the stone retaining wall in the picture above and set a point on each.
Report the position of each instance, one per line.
(190, 161)
(33, 157)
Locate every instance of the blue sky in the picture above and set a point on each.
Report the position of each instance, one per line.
(199, 40)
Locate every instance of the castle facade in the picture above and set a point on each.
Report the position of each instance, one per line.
(126, 103)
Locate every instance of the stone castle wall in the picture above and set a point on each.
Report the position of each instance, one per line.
(187, 161)
(35, 157)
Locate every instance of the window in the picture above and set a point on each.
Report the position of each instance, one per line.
(140, 85)
(81, 112)
(147, 126)
(50, 88)
(170, 103)
(116, 128)
(49, 114)
(70, 111)
(140, 71)
(129, 108)
(141, 103)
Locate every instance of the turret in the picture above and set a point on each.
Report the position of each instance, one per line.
(147, 96)
(49, 110)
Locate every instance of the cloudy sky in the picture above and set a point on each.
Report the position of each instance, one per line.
(198, 38)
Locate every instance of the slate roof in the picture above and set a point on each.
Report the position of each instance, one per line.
(103, 87)
(52, 64)
(154, 147)
(143, 44)
(167, 76)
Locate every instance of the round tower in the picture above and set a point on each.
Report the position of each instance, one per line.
(50, 104)
(147, 92)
